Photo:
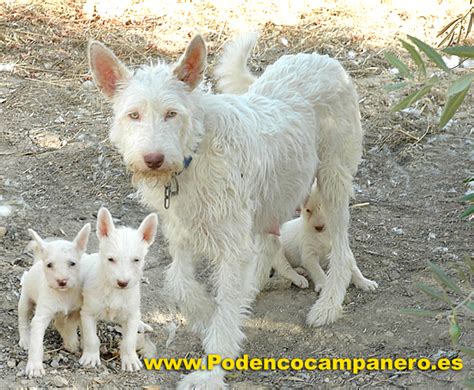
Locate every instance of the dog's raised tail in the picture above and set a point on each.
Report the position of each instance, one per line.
(232, 73)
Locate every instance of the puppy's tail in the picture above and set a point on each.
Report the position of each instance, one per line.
(232, 73)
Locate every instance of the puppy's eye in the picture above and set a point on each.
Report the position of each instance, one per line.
(308, 210)
(72, 263)
(136, 260)
(49, 265)
(170, 114)
(134, 115)
(111, 259)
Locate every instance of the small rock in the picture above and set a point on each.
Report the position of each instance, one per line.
(398, 231)
(389, 333)
(431, 236)
(54, 363)
(3, 231)
(59, 381)
(394, 274)
(11, 364)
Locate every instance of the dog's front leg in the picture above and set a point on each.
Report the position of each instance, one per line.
(190, 295)
(90, 341)
(39, 323)
(128, 346)
(224, 335)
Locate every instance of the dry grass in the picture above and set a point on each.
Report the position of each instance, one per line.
(46, 41)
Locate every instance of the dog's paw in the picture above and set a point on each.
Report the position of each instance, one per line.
(130, 362)
(144, 328)
(202, 380)
(90, 359)
(24, 343)
(323, 313)
(34, 369)
(366, 284)
(300, 281)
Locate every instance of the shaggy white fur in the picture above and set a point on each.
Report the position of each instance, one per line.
(306, 243)
(254, 158)
(52, 284)
(111, 287)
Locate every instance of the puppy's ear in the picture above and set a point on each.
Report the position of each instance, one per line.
(37, 245)
(105, 224)
(82, 238)
(106, 68)
(191, 66)
(148, 228)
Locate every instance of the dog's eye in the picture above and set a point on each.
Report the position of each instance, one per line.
(72, 263)
(134, 115)
(49, 265)
(137, 260)
(308, 210)
(170, 114)
(111, 259)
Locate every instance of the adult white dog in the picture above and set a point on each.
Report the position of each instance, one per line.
(224, 171)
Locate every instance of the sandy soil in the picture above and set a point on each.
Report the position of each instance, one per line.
(58, 168)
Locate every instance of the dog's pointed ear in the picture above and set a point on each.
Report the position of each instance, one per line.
(82, 238)
(105, 224)
(148, 228)
(190, 68)
(107, 70)
(39, 245)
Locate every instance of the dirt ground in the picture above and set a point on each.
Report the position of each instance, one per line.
(57, 168)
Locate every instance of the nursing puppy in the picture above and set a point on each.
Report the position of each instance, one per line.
(111, 286)
(53, 285)
(306, 243)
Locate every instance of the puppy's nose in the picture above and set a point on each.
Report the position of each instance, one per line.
(62, 282)
(122, 283)
(154, 160)
(319, 228)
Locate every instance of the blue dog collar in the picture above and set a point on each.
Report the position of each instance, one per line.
(187, 161)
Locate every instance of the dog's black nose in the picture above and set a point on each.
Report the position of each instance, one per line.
(62, 282)
(154, 160)
(122, 283)
(319, 228)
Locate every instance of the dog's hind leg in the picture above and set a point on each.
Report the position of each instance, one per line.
(67, 328)
(190, 295)
(335, 185)
(25, 309)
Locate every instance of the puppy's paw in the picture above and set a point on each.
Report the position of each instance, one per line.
(366, 284)
(300, 281)
(90, 359)
(144, 328)
(130, 362)
(24, 343)
(323, 313)
(34, 369)
(301, 271)
(318, 286)
(72, 344)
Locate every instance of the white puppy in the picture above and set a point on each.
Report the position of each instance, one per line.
(111, 289)
(306, 243)
(53, 285)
